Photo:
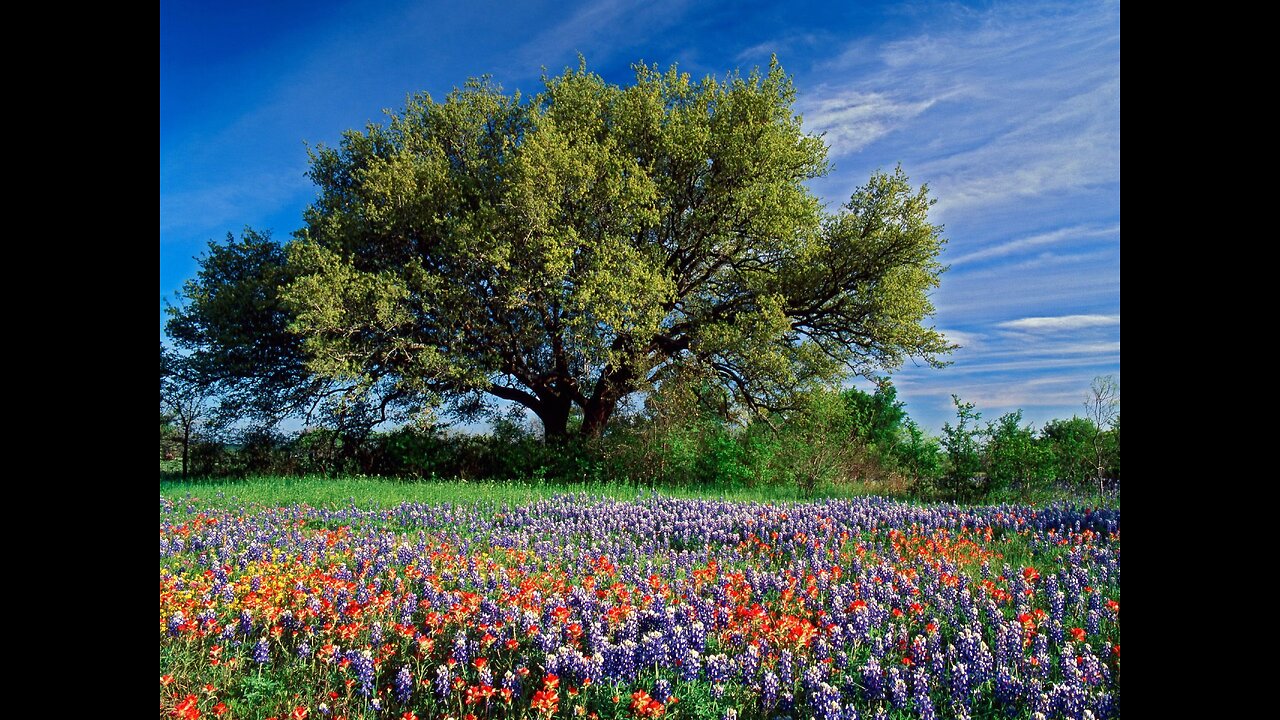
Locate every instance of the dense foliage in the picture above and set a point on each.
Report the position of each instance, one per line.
(686, 436)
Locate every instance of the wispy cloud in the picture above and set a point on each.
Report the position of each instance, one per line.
(779, 46)
(969, 341)
(1061, 323)
(1055, 237)
(850, 120)
(596, 29)
(227, 204)
(1003, 104)
(1067, 148)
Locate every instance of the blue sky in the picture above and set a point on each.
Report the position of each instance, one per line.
(1010, 111)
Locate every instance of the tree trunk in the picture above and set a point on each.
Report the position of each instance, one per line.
(186, 449)
(596, 416)
(613, 385)
(554, 414)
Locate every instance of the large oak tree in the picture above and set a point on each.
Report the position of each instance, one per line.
(565, 250)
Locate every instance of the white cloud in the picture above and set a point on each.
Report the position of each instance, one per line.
(969, 341)
(851, 120)
(1068, 234)
(1000, 105)
(1060, 323)
(1069, 147)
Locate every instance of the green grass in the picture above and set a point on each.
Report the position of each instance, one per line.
(365, 491)
(386, 492)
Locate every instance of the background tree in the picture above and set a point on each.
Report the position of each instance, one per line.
(877, 417)
(919, 456)
(1102, 406)
(1115, 456)
(233, 329)
(814, 442)
(1014, 456)
(166, 420)
(566, 251)
(185, 399)
(237, 342)
(962, 443)
(1071, 442)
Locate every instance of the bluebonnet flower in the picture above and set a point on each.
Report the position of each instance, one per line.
(362, 664)
(441, 685)
(769, 689)
(261, 652)
(872, 679)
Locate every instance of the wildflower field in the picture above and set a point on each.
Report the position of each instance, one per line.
(588, 606)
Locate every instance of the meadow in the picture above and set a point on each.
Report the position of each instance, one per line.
(294, 599)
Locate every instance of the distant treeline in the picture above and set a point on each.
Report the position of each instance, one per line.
(687, 435)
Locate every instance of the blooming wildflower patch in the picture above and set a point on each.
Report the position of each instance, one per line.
(579, 606)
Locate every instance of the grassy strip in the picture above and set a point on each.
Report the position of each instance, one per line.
(384, 492)
(336, 492)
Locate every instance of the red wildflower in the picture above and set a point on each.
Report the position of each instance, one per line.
(646, 707)
(188, 709)
(545, 701)
(1030, 574)
(478, 693)
(300, 713)
(1077, 634)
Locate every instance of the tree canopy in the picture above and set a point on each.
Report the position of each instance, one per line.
(233, 328)
(565, 250)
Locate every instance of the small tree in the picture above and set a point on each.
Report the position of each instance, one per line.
(1013, 455)
(1102, 406)
(1071, 443)
(877, 417)
(918, 454)
(963, 445)
(814, 445)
